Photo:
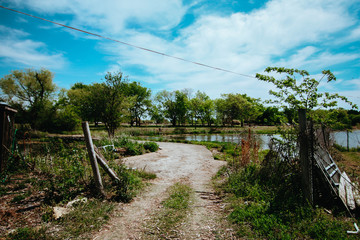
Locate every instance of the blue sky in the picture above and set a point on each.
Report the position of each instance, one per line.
(243, 36)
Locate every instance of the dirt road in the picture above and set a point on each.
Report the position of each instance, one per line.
(174, 162)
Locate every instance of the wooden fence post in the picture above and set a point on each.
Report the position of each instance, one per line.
(92, 156)
(305, 158)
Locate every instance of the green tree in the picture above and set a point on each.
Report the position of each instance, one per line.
(32, 91)
(236, 107)
(299, 91)
(166, 105)
(113, 101)
(174, 105)
(141, 102)
(270, 116)
(181, 106)
(156, 115)
(202, 107)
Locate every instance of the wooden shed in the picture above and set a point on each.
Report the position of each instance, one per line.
(7, 119)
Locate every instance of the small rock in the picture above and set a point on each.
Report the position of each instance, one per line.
(75, 202)
(59, 212)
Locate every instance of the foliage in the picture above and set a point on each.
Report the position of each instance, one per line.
(201, 107)
(29, 87)
(233, 107)
(266, 203)
(156, 114)
(304, 94)
(174, 105)
(141, 101)
(112, 101)
(270, 116)
(30, 91)
(28, 233)
(66, 119)
(151, 146)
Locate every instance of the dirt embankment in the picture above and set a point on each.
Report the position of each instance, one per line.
(174, 162)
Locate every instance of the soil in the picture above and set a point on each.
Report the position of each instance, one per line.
(174, 162)
(20, 205)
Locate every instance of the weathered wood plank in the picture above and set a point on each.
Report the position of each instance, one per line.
(92, 156)
(349, 192)
(102, 161)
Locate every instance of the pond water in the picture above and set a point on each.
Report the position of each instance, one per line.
(341, 138)
(264, 139)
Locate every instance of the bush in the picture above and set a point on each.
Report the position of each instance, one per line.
(268, 203)
(151, 146)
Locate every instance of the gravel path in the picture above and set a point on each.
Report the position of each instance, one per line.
(174, 162)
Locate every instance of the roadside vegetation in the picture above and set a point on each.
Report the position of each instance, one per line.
(56, 171)
(262, 187)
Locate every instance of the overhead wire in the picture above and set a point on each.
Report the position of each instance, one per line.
(128, 44)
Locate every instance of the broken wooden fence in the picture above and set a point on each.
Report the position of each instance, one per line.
(95, 158)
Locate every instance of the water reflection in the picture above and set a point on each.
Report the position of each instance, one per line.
(341, 138)
(264, 139)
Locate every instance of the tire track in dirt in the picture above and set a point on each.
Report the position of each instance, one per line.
(174, 162)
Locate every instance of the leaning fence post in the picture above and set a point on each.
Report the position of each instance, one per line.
(305, 158)
(92, 156)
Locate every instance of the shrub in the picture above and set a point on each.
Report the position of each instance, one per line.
(151, 146)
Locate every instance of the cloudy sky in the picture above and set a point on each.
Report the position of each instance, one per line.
(242, 36)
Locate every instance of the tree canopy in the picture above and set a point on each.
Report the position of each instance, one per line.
(116, 100)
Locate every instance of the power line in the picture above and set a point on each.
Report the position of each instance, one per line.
(128, 44)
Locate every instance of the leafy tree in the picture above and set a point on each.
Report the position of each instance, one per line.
(270, 116)
(298, 90)
(235, 107)
(87, 101)
(202, 107)
(181, 106)
(354, 117)
(167, 105)
(301, 94)
(156, 115)
(174, 105)
(112, 100)
(31, 91)
(141, 101)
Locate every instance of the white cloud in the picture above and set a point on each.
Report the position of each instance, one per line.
(313, 59)
(16, 50)
(242, 42)
(112, 17)
(288, 33)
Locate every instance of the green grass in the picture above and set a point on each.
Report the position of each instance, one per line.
(174, 211)
(61, 170)
(272, 207)
(86, 217)
(89, 216)
(27, 233)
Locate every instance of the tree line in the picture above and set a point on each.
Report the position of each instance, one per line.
(117, 100)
